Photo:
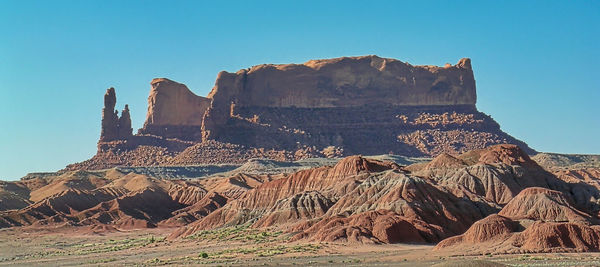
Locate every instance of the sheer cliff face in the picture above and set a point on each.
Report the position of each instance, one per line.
(349, 82)
(346, 82)
(359, 105)
(339, 82)
(173, 104)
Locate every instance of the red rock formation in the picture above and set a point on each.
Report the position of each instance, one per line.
(542, 204)
(485, 199)
(267, 202)
(507, 154)
(491, 228)
(339, 82)
(501, 237)
(578, 175)
(414, 198)
(173, 104)
(329, 102)
(342, 106)
(209, 203)
(497, 173)
(174, 111)
(113, 127)
(381, 226)
(558, 237)
(124, 126)
(301, 206)
(358, 185)
(551, 225)
(110, 119)
(445, 160)
(130, 201)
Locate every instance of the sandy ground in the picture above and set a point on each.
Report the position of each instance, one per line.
(77, 246)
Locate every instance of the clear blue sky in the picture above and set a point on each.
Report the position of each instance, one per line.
(535, 62)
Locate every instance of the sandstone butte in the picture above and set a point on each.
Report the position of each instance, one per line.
(327, 108)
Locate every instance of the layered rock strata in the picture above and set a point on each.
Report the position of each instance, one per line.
(338, 83)
(333, 107)
(492, 200)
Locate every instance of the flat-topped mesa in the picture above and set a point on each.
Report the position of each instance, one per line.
(353, 105)
(174, 111)
(346, 82)
(114, 128)
(339, 83)
(173, 107)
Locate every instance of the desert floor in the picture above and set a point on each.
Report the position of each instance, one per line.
(239, 246)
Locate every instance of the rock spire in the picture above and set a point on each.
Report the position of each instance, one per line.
(113, 127)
